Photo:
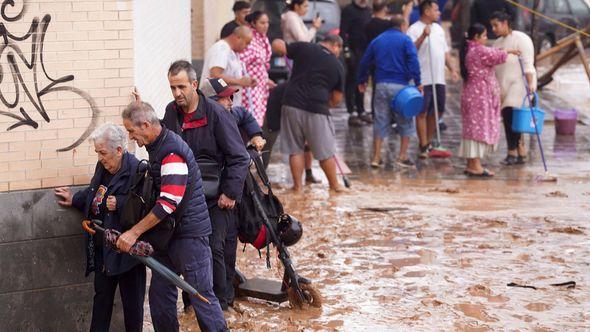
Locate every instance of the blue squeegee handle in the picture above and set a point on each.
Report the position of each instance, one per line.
(528, 93)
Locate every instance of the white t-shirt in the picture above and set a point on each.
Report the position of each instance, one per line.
(509, 73)
(440, 47)
(222, 56)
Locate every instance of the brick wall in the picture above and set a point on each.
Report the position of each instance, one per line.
(74, 73)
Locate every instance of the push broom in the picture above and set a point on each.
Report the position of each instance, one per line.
(437, 151)
(545, 177)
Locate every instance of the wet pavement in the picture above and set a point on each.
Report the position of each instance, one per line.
(432, 250)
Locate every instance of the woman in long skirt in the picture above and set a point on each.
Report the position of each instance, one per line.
(480, 99)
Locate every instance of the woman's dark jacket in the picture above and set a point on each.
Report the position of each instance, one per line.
(113, 263)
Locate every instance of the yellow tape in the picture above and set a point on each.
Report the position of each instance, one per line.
(534, 12)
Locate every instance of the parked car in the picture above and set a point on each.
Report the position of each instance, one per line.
(329, 11)
(572, 12)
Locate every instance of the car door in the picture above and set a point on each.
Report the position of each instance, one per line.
(581, 13)
(561, 11)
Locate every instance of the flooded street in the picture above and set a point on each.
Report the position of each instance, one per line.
(431, 250)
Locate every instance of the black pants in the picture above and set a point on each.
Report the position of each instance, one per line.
(512, 138)
(132, 289)
(224, 242)
(271, 137)
(354, 99)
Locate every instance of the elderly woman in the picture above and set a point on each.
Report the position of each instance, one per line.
(103, 199)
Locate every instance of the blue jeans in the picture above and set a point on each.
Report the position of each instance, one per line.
(190, 257)
(384, 116)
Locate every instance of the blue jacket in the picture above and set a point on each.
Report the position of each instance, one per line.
(246, 122)
(113, 263)
(192, 214)
(394, 57)
(212, 132)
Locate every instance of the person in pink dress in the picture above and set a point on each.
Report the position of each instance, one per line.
(256, 61)
(480, 99)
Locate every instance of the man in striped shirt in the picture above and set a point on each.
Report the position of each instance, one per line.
(177, 180)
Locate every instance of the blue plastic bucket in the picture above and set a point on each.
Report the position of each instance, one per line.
(522, 119)
(409, 102)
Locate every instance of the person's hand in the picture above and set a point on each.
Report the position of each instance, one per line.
(421, 88)
(65, 196)
(111, 203)
(258, 142)
(225, 202)
(247, 81)
(426, 31)
(515, 52)
(127, 240)
(317, 22)
(135, 95)
(271, 84)
(362, 87)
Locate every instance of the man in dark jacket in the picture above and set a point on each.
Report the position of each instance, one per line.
(353, 19)
(212, 134)
(103, 199)
(180, 202)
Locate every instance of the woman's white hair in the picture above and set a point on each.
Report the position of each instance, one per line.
(113, 135)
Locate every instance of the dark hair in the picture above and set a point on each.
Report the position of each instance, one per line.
(183, 65)
(501, 16)
(397, 21)
(425, 4)
(292, 4)
(396, 7)
(239, 5)
(253, 17)
(474, 30)
(378, 5)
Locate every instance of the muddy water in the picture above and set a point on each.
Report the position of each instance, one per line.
(429, 249)
(440, 260)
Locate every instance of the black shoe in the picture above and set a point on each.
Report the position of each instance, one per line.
(309, 178)
(407, 163)
(365, 117)
(355, 121)
(442, 126)
(521, 160)
(509, 160)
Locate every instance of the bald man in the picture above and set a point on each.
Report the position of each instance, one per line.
(221, 61)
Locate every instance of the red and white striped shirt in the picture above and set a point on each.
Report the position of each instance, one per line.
(174, 178)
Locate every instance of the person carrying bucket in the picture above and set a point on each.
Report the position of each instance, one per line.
(395, 59)
(511, 84)
(433, 53)
(480, 99)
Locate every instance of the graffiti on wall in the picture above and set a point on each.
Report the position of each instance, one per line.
(19, 66)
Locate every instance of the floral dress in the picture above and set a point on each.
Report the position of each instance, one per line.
(256, 60)
(480, 101)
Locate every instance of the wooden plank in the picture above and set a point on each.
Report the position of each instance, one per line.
(554, 49)
(548, 76)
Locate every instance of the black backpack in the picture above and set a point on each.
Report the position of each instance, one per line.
(141, 198)
(251, 224)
